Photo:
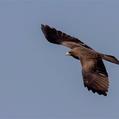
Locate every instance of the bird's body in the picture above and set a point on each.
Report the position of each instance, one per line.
(94, 72)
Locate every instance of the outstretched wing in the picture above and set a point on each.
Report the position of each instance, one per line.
(95, 76)
(58, 37)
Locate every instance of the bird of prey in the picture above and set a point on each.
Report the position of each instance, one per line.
(95, 76)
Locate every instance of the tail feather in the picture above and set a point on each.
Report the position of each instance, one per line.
(110, 58)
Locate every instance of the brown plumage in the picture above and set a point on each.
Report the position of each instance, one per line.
(94, 73)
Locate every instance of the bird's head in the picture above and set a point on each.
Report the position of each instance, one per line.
(68, 53)
(71, 53)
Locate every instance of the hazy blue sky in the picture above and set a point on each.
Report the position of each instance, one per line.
(37, 80)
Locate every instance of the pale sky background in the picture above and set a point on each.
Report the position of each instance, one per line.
(37, 80)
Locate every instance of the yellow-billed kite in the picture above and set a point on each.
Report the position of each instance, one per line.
(94, 73)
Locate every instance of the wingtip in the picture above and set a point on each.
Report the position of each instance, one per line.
(99, 92)
(42, 27)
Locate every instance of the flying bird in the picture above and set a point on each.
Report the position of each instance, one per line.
(95, 76)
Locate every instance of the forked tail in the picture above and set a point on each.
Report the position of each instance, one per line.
(110, 58)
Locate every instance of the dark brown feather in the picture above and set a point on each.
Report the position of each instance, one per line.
(96, 77)
(110, 58)
(58, 37)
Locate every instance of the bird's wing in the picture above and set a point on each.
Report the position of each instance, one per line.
(58, 37)
(95, 76)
